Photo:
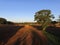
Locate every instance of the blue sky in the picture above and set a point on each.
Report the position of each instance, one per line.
(24, 10)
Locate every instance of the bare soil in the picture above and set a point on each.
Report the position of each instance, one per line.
(25, 35)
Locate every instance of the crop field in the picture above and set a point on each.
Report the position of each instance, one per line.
(29, 35)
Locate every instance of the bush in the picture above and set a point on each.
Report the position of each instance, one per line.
(3, 21)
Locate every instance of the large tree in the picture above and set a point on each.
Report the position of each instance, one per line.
(44, 17)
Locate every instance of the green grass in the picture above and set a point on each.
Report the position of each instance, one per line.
(52, 39)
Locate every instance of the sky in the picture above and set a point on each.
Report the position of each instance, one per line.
(24, 10)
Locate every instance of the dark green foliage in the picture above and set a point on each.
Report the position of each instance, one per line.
(53, 22)
(44, 17)
(9, 22)
(52, 39)
(3, 21)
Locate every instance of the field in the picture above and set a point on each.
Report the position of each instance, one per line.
(29, 35)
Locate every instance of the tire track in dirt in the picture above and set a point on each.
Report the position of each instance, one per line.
(28, 35)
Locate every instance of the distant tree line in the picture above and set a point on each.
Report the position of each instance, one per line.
(4, 21)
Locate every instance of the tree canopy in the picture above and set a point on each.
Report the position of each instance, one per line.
(44, 17)
(3, 21)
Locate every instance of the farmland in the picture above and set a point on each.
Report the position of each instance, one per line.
(11, 34)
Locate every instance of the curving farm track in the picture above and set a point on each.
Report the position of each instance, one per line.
(27, 35)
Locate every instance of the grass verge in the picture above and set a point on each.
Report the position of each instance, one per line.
(52, 39)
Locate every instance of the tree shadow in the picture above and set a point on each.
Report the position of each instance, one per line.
(53, 30)
(38, 27)
(7, 32)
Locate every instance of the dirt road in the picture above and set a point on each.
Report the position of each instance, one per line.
(27, 35)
